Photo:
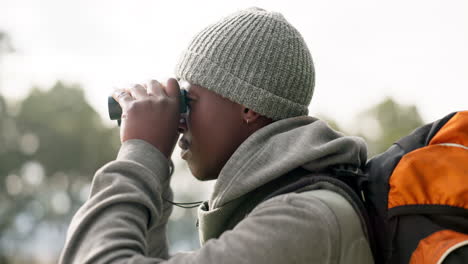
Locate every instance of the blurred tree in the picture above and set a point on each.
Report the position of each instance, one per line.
(7, 145)
(7, 126)
(66, 126)
(51, 146)
(386, 122)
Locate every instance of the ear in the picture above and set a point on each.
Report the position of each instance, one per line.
(249, 116)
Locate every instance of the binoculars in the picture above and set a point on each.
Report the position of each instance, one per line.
(115, 111)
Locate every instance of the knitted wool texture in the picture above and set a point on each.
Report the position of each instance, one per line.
(255, 58)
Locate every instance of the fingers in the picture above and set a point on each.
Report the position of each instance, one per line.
(138, 91)
(123, 97)
(173, 89)
(155, 88)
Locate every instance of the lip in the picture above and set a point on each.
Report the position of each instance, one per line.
(184, 153)
(184, 146)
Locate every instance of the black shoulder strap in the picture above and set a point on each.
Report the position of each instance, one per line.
(261, 193)
(345, 181)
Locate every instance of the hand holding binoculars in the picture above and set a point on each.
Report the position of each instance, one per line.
(115, 111)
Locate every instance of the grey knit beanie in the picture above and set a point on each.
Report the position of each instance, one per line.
(255, 58)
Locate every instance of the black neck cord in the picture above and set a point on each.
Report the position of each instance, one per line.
(181, 205)
(185, 205)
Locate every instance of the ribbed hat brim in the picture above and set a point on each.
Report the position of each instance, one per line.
(198, 70)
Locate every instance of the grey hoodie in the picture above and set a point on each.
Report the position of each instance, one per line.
(124, 220)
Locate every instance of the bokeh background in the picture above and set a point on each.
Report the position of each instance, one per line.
(383, 68)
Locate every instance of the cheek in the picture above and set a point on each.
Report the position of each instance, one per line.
(213, 123)
(214, 139)
(210, 134)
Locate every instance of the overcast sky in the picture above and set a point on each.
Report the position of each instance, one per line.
(413, 50)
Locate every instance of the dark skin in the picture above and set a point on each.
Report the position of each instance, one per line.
(212, 131)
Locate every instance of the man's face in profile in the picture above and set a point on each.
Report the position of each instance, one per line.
(211, 133)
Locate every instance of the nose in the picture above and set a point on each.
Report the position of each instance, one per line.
(182, 124)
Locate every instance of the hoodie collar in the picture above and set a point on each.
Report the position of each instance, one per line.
(280, 147)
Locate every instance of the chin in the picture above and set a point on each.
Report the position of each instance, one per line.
(201, 175)
(204, 179)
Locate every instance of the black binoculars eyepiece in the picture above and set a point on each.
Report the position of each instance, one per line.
(115, 111)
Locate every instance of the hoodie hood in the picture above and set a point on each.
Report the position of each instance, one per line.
(281, 147)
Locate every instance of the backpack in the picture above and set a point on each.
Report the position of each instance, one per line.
(416, 195)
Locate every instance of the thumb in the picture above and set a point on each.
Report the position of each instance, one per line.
(172, 88)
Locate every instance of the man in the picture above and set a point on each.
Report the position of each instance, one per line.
(250, 79)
